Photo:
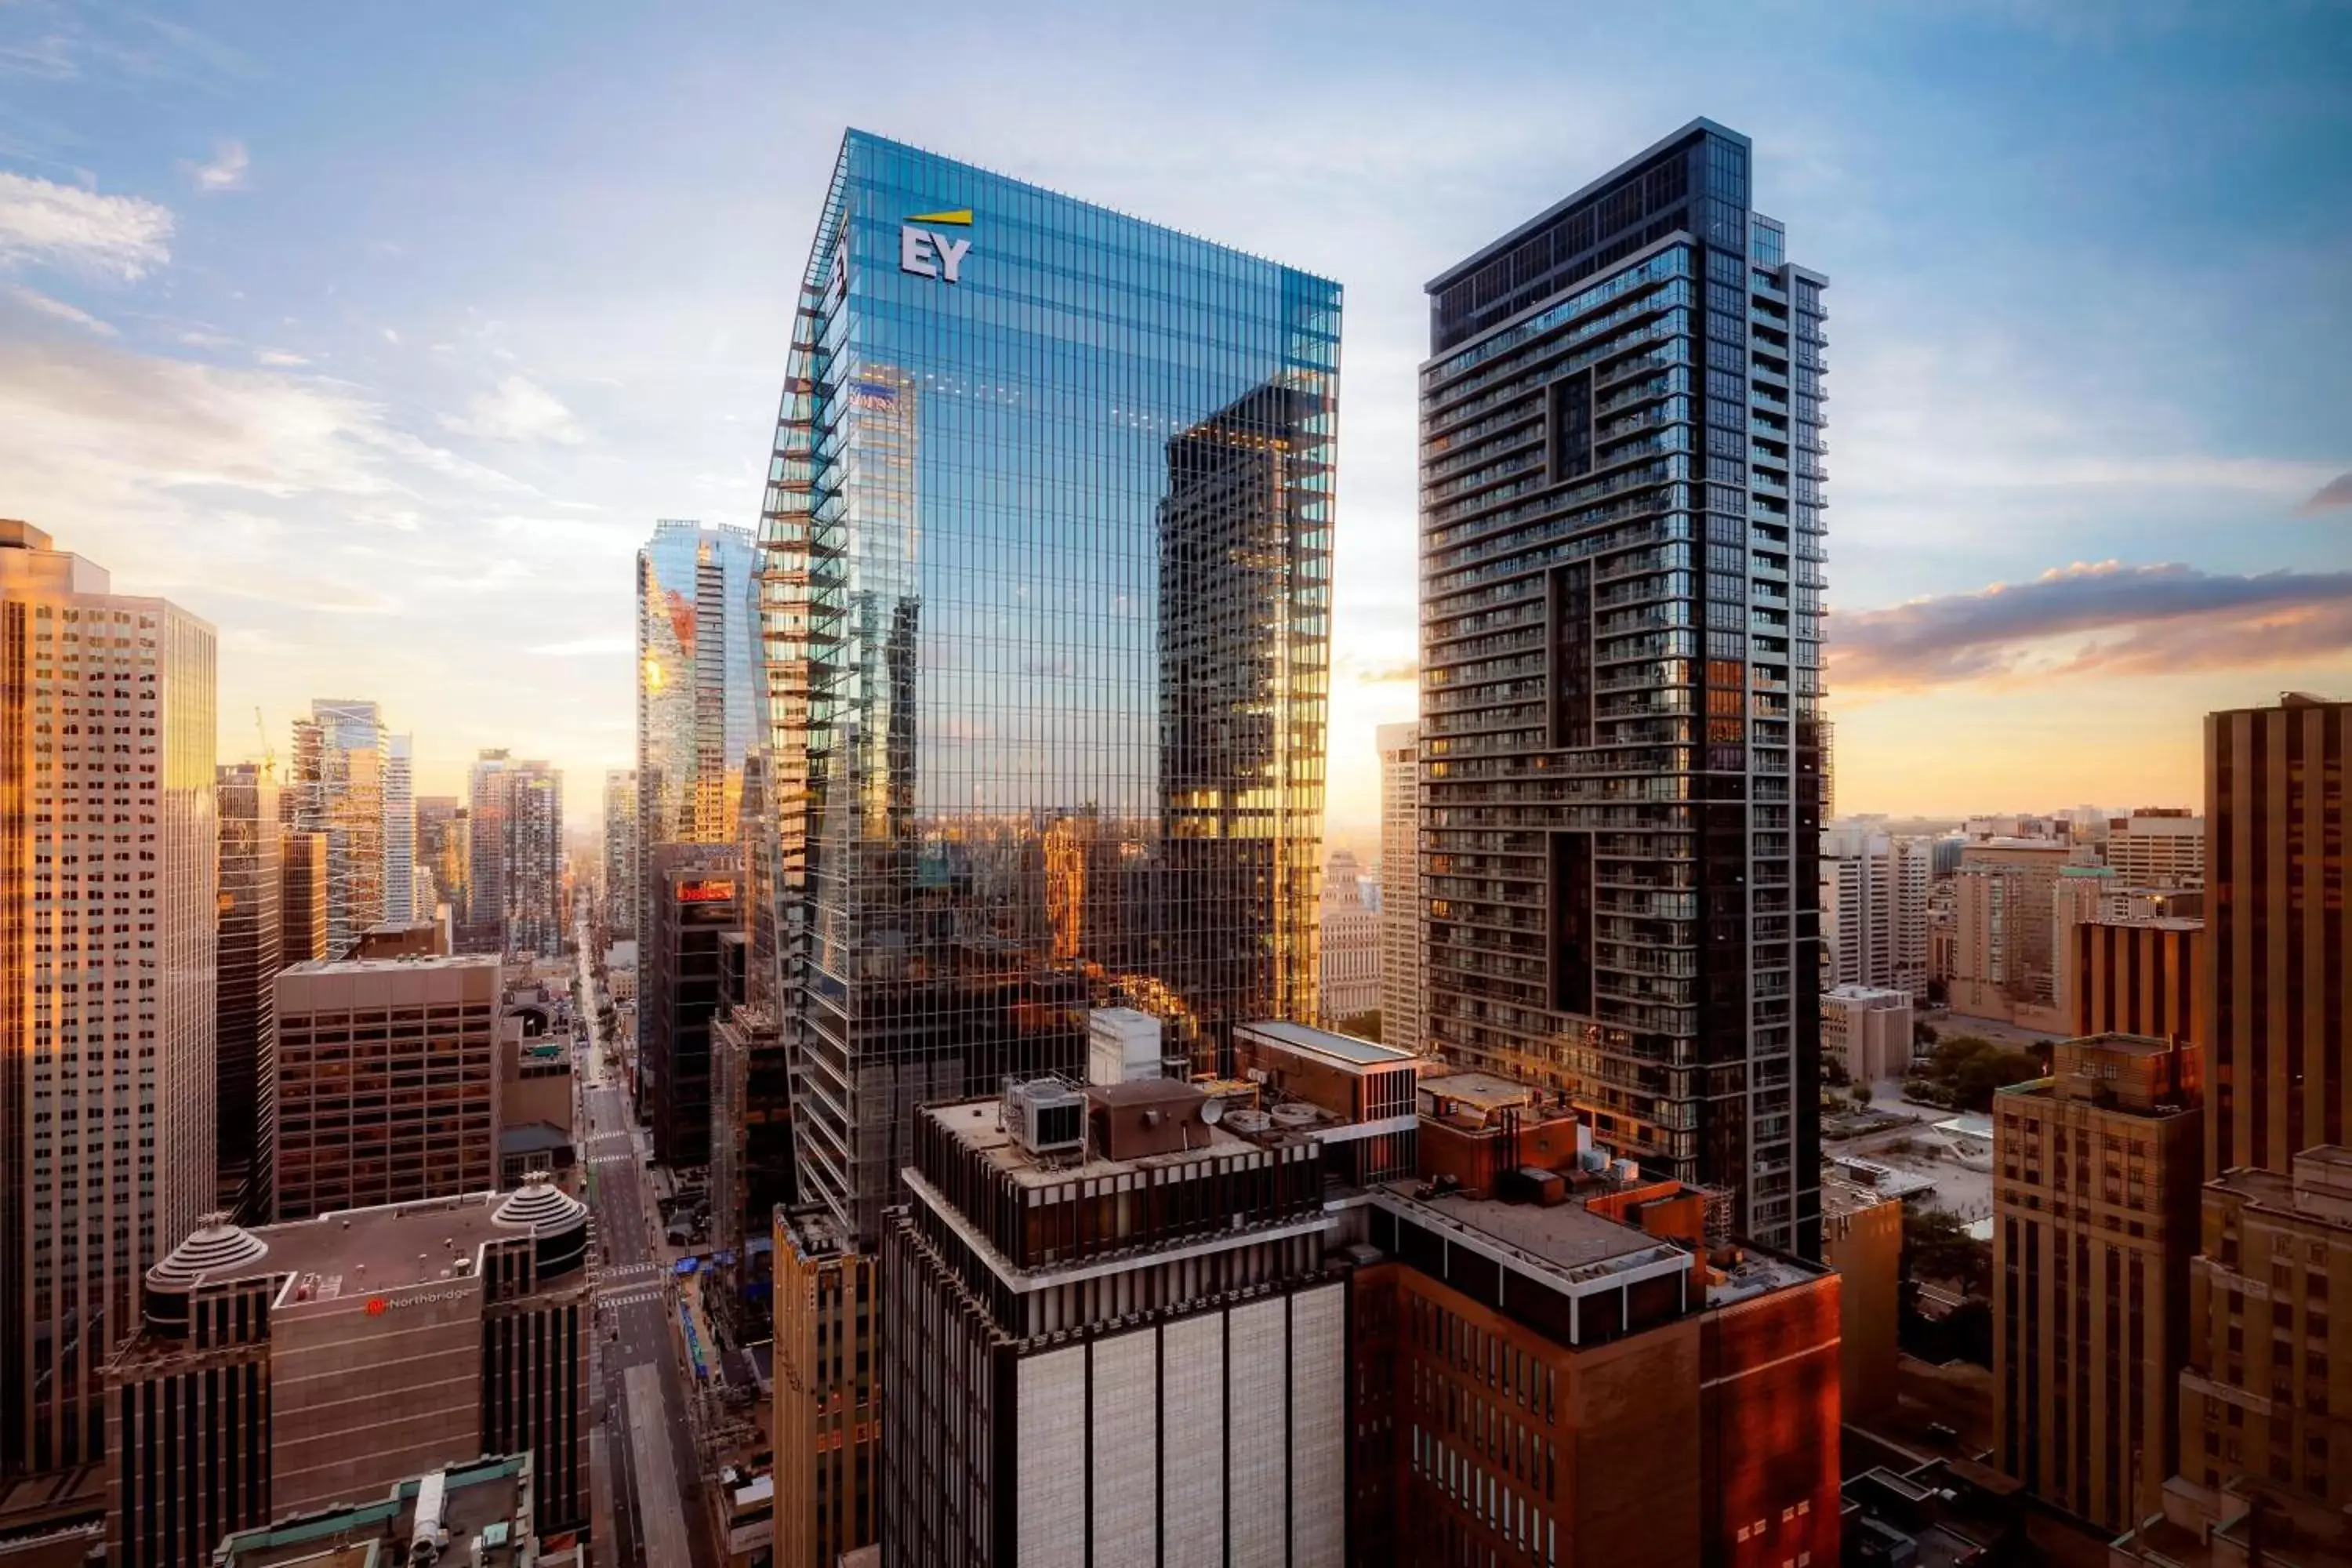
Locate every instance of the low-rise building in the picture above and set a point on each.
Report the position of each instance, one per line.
(1861, 1240)
(1866, 1030)
(479, 1515)
(283, 1369)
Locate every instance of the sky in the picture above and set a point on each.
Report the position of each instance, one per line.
(379, 335)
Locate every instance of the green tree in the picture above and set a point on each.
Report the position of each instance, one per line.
(1936, 1246)
(1923, 1033)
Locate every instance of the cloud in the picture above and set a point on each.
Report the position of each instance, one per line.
(59, 225)
(226, 171)
(1365, 671)
(279, 359)
(518, 410)
(581, 647)
(57, 309)
(2336, 492)
(2108, 618)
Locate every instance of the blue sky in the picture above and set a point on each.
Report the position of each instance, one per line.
(379, 334)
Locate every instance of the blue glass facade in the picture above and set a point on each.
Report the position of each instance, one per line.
(1620, 751)
(1046, 618)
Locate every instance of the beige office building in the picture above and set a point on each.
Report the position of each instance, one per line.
(2158, 848)
(2004, 959)
(287, 1367)
(2095, 1180)
(388, 1082)
(108, 877)
(1403, 958)
(1347, 955)
(1866, 1030)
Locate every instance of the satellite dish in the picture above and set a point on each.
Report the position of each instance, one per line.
(1212, 1111)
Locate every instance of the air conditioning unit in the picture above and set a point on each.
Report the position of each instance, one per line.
(1047, 1116)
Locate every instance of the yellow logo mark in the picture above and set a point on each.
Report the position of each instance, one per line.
(960, 217)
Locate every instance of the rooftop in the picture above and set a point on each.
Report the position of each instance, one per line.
(1479, 1091)
(484, 1510)
(1566, 1237)
(1841, 1196)
(358, 1251)
(407, 964)
(1346, 1050)
(979, 1124)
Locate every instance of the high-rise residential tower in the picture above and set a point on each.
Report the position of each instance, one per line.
(2280, 992)
(515, 843)
(1046, 618)
(252, 878)
(400, 831)
(1621, 498)
(338, 788)
(621, 826)
(697, 603)
(443, 848)
(1874, 909)
(107, 935)
(1403, 965)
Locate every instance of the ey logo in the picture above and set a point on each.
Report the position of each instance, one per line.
(928, 253)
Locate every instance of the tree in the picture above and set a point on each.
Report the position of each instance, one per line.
(1936, 1246)
(1861, 1094)
(1923, 1033)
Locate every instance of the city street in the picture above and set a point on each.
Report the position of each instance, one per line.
(652, 1514)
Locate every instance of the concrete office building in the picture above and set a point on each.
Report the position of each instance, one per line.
(483, 1515)
(441, 1331)
(1861, 1240)
(1114, 795)
(1874, 909)
(1064, 1388)
(1403, 960)
(108, 941)
(1867, 1031)
(515, 837)
(252, 882)
(2157, 847)
(2141, 977)
(682, 988)
(387, 1081)
(1348, 952)
(1621, 575)
(338, 787)
(2280, 998)
(826, 1428)
(620, 892)
(2096, 1170)
(301, 896)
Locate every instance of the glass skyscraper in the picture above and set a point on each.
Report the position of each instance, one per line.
(1045, 621)
(1621, 557)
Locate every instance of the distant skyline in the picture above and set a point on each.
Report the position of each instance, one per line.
(380, 338)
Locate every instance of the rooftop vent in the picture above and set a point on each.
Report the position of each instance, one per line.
(1046, 1117)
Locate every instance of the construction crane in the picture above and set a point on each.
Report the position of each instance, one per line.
(268, 752)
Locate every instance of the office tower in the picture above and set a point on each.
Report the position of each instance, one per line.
(302, 896)
(400, 830)
(2138, 977)
(826, 1428)
(1622, 573)
(1052, 657)
(2097, 1171)
(486, 1510)
(1861, 1240)
(1167, 1387)
(107, 934)
(681, 988)
(2005, 923)
(2280, 996)
(338, 788)
(515, 846)
(2157, 847)
(620, 900)
(387, 1081)
(1874, 909)
(443, 847)
(287, 1367)
(252, 878)
(1402, 961)
(1347, 978)
(1868, 1030)
(1583, 1378)
(697, 599)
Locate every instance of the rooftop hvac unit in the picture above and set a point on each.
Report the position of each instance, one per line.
(1047, 1116)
